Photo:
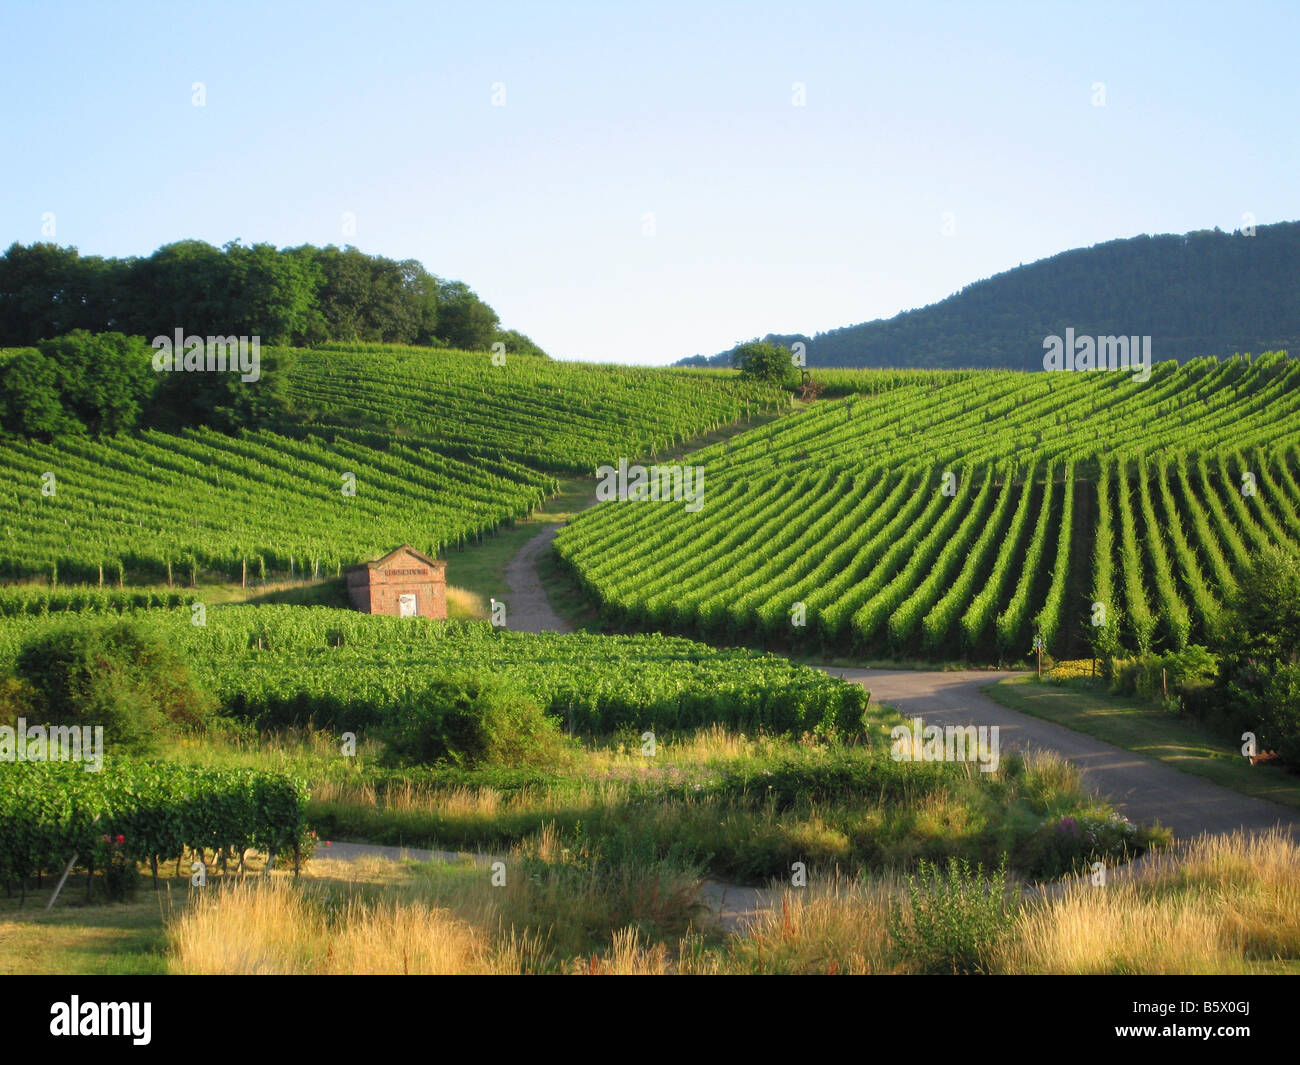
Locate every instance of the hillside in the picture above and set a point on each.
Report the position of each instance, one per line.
(385, 445)
(1202, 293)
(924, 520)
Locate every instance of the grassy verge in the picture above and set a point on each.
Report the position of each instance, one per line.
(742, 807)
(1086, 707)
(93, 940)
(917, 664)
(604, 862)
(1226, 905)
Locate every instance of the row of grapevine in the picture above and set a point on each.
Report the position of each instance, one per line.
(1200, 407)
(37, 600)
(158, 506)
(1104, 613)
(835, 604)
(51, 811)
(1138, 611)
(1010, 623)
(1207, 606)
(955, 527)
(847, 544)
(555, 416)
(1173, 611)
(983, 606)
(943, 617)
(397, 445)
(1049, 621)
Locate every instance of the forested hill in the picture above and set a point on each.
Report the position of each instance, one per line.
(1204, 293)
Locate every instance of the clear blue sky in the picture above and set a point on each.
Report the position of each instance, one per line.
(767, 216)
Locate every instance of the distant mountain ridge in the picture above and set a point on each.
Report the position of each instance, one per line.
(1202, 293)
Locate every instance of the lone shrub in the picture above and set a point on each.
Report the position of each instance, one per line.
(952, 922)
(471, 720)
(115, 675)
(759, 360)
(1259, 678)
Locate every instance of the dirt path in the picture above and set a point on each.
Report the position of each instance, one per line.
(731, 905)
(1144, 789)
(528, 608)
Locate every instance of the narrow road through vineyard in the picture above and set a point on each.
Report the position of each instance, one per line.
(1143, 789)
(528, 609)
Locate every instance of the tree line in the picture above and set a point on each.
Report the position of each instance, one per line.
(102, 384)
(292, 296)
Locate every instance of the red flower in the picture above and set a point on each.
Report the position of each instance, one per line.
(121, 839)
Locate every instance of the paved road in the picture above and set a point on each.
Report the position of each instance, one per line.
(1145, 790)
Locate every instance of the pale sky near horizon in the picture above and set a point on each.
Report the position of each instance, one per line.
(678, 118)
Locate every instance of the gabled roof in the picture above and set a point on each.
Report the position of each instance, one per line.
(407, 549)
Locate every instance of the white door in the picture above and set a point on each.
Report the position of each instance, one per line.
(406, 606)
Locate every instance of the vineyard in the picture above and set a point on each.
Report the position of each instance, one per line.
(913, 519)
(51, 812)
(558, 417)
(279, 665)
(920, 513)
(435, 449)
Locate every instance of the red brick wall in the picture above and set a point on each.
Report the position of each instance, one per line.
(379, 591)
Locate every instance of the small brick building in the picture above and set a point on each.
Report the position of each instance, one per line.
(404, 583)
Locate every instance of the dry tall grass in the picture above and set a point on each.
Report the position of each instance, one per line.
(464, 604)
(831, 926)
(382, 917)
(1221, 905)
(1226, 903)
(276, 926)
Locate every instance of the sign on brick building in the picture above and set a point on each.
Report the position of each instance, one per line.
(404, 583)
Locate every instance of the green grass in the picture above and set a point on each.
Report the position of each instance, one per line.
(918, 664)
(1148, 730)
(81, 938)
(741, 807)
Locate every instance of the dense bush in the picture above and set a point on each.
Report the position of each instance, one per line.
(471, 720)
(1186, 673)
(829, 775)
(765, 362)
(116, 674)
(76, 384)
(1070, 844)
(1259, 681)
